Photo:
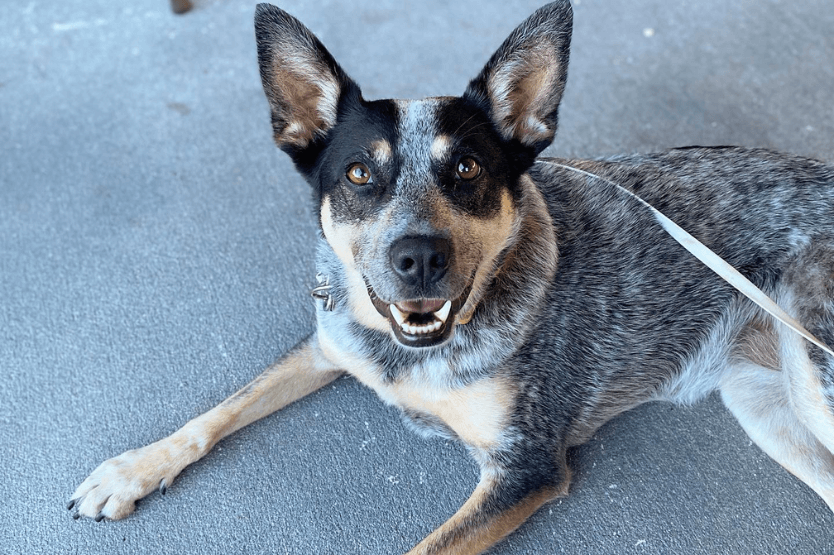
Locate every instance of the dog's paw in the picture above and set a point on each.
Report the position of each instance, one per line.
(111, 491)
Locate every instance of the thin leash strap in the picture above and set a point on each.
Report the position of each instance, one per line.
(714, 262)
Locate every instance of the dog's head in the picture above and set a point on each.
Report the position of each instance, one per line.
(420, 200)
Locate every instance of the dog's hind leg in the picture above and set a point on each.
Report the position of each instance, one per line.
(758, 397)
(783, 392)
(113, 488)
(808, 293)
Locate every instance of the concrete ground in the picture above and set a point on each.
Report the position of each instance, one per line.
(155, 256)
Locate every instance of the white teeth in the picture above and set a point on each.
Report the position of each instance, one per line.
(443, 313)
(397, 314)
(421, 329)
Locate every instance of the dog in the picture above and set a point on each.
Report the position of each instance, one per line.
(517, 303)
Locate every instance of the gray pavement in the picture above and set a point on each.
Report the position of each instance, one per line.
(155, 256)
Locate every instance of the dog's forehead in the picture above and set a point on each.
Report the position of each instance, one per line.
(420, 141)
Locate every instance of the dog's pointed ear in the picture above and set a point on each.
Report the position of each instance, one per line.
(302, 81)
(522, 84)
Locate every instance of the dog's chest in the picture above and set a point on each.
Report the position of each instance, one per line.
(477, 413)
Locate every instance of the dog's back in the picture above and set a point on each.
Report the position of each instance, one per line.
(638, 313)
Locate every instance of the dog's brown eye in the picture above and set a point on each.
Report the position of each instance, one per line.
(359, 174)
(468, 169)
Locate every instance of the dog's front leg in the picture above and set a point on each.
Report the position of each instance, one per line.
(113, 488)
(499, 504)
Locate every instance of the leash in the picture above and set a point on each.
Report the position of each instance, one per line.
(712, 261)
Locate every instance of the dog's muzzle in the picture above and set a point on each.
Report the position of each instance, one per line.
(419, 263)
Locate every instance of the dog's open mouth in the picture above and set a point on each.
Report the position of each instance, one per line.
(420, 322)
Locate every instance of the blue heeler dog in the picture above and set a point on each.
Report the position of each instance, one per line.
(514, 304)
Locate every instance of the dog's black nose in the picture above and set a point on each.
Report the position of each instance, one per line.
(420, 261)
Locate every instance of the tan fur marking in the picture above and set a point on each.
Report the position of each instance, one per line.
(311, 103)
(520, 92)
(477, 413)
(466, 534)
(513, 518)
(534, 222)
(381, 152)
(493, 235)
(440, 147)
(342, 239)
(301, 372)
(759, 344)
(439, 540)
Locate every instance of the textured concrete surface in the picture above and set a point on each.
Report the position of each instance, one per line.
(155, 255)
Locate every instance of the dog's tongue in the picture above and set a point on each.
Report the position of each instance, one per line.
(423, 306)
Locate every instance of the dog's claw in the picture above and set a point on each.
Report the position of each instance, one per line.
(99, 517)
(162, 487)
(71, 504)
(76, 515)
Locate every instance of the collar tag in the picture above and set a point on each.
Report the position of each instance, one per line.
(322, 292)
